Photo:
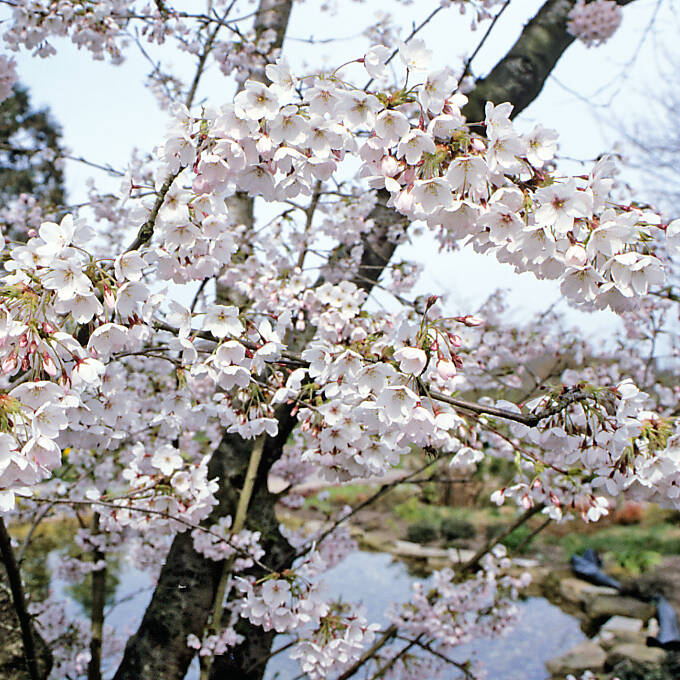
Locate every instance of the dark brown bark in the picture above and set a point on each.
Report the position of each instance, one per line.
(378, 248)
(98, 599)
(186, 587)
(519, 76)
(20, 657)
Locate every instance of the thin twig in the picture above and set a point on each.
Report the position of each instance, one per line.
(415, 30)
(370, 652)
(266, 658)
(194, 302)
(40, 515)
(487, 33)
(159, 513)
(473, 562)
(381, 671)
(371, 499)
(426, 646)
(522, 544)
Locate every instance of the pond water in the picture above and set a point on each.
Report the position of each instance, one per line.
(542, 632)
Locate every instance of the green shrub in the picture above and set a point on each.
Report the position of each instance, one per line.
(413, 511)
(453, 528)
(513, 540)
(422, 532)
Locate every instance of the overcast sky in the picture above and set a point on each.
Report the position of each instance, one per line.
(105, 111)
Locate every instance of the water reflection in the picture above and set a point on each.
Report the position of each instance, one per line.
(376, 580)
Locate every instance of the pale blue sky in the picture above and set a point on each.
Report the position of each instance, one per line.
(105, 110)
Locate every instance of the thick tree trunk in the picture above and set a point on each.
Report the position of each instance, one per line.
(519, 76)
(183, 598)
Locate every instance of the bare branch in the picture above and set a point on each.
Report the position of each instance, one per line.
(146, 230)
(480, 44)
(473, 562)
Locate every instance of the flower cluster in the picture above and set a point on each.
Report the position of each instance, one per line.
(451, 613)
(339, 640)
(595, 22)
(244, 544)
(281, 604)
(218, 643)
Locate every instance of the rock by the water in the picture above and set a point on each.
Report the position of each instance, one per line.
(579, 591)
(638, 653)
(409, 549)
(606, 606)
(624, 627)
(620, 629)
(583, 657)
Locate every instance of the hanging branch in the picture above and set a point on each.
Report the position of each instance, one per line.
(402, 652)
(14, 578)
(371, 499)
(462, 667)
(369, 653)
(157, 513)
(471, 564)
(569, 396)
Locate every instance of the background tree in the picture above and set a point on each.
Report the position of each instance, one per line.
(30, 148)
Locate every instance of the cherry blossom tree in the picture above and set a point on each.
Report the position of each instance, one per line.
(154, 384)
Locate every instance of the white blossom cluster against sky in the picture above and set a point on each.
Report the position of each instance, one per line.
(105, 111)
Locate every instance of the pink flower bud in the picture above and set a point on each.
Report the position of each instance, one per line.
(109, 297)
(48, 365)
(576, 256)
(446, 369)
(10, 363)
(470, 320)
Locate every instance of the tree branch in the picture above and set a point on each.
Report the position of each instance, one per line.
(519, 76)
(146, 230)
(473, 562)
(14, 578)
